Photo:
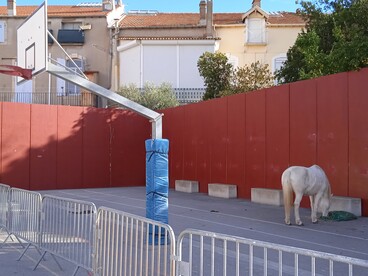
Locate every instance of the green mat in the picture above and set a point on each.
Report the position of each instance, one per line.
(339, 216)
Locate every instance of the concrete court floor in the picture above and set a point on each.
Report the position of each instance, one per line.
(238, 217)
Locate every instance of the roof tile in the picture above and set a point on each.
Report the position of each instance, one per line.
(58, 11)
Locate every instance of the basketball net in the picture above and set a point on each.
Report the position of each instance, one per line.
(17, 71)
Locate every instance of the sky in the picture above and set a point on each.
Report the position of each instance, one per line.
(179, 5)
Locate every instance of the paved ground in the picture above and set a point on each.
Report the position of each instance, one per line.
(237, 217)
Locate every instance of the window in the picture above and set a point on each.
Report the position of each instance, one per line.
(256, 31)
(71, 88)
(2, 31)
(71, 25)
(277, 63)
(63, 87)
(71, 33)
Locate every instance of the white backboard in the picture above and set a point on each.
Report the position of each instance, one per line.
(32, 46)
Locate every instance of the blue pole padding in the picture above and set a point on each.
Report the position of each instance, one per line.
(157, 184)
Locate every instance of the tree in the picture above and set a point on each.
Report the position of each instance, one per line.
(216, 71)
(335, 40)
(250, 78)
(152, 97)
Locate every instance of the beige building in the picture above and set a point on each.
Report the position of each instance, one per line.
(257, 35)
(84, 31)
(164, 47)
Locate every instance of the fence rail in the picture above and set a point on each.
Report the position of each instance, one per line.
(183, 95)
(131, 245)
(109, 242)
(67, 230)
(4, 197)
(208, 253)
(82, 99)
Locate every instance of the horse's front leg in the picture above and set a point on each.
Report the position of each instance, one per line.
(313, 209)
(298, 198)
(316, 201)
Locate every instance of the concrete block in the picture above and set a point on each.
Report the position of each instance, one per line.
(222, 190)
(267, 196)
(348, 204)
(186, 186)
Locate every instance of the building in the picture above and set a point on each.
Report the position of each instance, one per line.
(85, 31)
(164, 47)
(257, 35)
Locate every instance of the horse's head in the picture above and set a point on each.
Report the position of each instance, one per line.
(325, 204)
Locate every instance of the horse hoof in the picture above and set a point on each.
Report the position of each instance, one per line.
(314, 222)
(288, 223)
(299, 223)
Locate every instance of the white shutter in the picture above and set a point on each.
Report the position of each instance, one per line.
(60, 83)
(2, 31)
(256, 30)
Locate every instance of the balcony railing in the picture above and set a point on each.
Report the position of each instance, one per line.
(184, 96)
(83, 99)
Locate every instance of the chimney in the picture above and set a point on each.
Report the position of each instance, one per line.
(209, 25)
(256, 3)
(202, 13)
(12, 8)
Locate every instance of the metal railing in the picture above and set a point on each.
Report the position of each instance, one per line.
(131, 245)
(67, 230)
(111, 242)
(83, 99)
(24, 217)
(4, 196)
(208, 253)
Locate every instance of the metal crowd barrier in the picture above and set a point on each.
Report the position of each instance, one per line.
(207, 253)
(67, 230)
(24, 217)
(4, 197)
(131, 245)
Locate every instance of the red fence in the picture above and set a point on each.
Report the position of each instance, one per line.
(60, 147)
(246, 139)
(250, 139)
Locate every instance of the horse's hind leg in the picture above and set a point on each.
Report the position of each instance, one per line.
(298, 198)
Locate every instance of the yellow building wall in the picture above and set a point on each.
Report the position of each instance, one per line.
(279, 40)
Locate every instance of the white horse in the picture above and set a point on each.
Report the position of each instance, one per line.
(310, 181)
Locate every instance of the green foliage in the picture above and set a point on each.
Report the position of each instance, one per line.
(221, 79)
(335, 40)
(250, 78)
(152, 97)
(216, 71)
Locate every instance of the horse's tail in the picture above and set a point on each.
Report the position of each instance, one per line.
(287, 191)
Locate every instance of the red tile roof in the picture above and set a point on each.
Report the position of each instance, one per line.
(192, 19)
(58, 11)
(160, 20)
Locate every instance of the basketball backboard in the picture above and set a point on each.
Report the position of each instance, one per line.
(32, 47)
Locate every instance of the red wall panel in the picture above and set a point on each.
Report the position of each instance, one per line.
(303, 123)
(358, 137)
(173, 121)
(332, 145)
(277, 135)
(43, 155)
(236, 142)
(15, 144)
(218, 140)
(96, 145)
(70, 147)
(128, 152)
(190, 141)
(204, 133)
(255, 133)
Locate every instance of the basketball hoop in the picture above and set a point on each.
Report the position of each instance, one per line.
(17, 71)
